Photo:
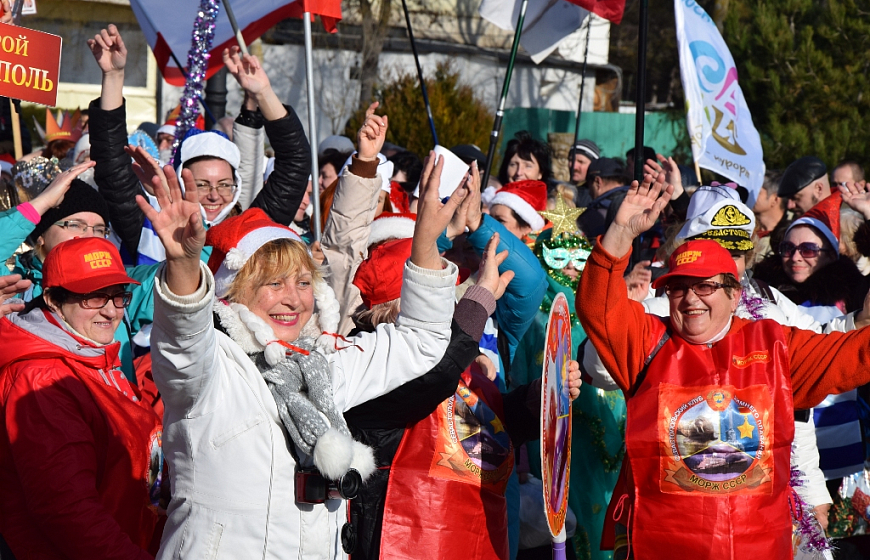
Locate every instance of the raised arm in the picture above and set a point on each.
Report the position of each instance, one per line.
(394, 354)
(282, 195)
(108, 134)
(617, 326)
(346, 235)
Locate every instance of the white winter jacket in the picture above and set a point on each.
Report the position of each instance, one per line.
(232, 473)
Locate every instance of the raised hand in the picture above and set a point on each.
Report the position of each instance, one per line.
(146, 168)
(638, 212)
(247, 70)
(469, 208)
(108, 49)
(53, 194)
(372, 134)
(474, 215)
(638, 281)
(857, 197)
(251, 77)
(669, 167)
(432, 216)
(489, 277)
(10, 286)
(178, 224)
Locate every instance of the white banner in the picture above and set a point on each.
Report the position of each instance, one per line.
(724, 140)
(547, 22)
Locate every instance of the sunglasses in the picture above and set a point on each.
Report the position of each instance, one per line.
(806, 249)
(701, 289)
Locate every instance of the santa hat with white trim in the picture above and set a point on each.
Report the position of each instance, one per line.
(526, 198)
(392, 225)
(236, 239)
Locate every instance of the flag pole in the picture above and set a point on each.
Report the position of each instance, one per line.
(238, 33)
(312, 130)
(582, 87)
(641, 90)
(420, 73)
(496, 127)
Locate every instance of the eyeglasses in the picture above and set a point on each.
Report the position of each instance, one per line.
(80, 228)
(223, 189)
(701, 289)
(807, 250)
(98, 301)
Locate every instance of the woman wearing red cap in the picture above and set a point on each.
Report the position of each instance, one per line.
(80, 453)
(242, 438)
(710, 396)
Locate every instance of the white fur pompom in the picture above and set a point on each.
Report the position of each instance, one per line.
(333, 453)
(235, 259)
(363, 460)
(274, 353)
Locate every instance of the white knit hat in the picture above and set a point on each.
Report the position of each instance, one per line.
(215, 145)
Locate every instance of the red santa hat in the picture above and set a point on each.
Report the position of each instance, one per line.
(825, 217)
(392, 225)
(379, 277)
(236, 239)
(526, 198)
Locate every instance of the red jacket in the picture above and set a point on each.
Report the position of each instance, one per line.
(754, 363)
(79, 452)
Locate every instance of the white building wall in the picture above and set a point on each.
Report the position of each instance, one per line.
(336, 94)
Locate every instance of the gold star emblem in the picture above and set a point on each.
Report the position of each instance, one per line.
(564, 217)
(497, 426)
(745, 428)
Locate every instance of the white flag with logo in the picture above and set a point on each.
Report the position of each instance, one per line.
(547, 22)
(724, 140)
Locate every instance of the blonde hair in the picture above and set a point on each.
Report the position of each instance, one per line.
(279, 258)
(367, 319)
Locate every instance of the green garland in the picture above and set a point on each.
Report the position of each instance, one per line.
(611, 462)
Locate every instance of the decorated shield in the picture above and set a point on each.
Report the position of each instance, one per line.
(556, 415)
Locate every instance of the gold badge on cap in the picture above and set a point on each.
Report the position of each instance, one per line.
(730, 216)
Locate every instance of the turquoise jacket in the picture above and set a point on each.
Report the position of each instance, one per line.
(516, 309)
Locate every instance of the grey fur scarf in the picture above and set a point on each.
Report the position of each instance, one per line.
(301, 385)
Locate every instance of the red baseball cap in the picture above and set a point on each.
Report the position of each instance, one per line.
(84, 265)
(700, 258)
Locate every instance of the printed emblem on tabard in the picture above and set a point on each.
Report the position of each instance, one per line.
(715, 440)
(472, 445)
(730, 216)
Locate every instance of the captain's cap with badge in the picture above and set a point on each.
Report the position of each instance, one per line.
(719, 215)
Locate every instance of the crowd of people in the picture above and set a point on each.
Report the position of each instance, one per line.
(187, 371)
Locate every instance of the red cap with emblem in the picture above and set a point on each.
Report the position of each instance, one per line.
(84, 265)
(701, 258)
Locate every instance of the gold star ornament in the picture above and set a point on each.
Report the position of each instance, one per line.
(564, 217)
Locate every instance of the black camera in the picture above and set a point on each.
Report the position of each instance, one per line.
(313, 488)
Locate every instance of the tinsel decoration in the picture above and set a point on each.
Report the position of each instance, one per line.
(812, 539)
(197, 65)
(754, 305)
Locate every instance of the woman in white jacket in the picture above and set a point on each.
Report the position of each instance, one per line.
(231, 436)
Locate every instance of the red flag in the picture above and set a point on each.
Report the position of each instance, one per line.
(167, 25)
(610, 10)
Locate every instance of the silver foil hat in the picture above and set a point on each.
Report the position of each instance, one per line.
(33, 176)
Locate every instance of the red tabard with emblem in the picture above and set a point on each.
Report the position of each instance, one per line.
(445, 497)
(708, 437)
